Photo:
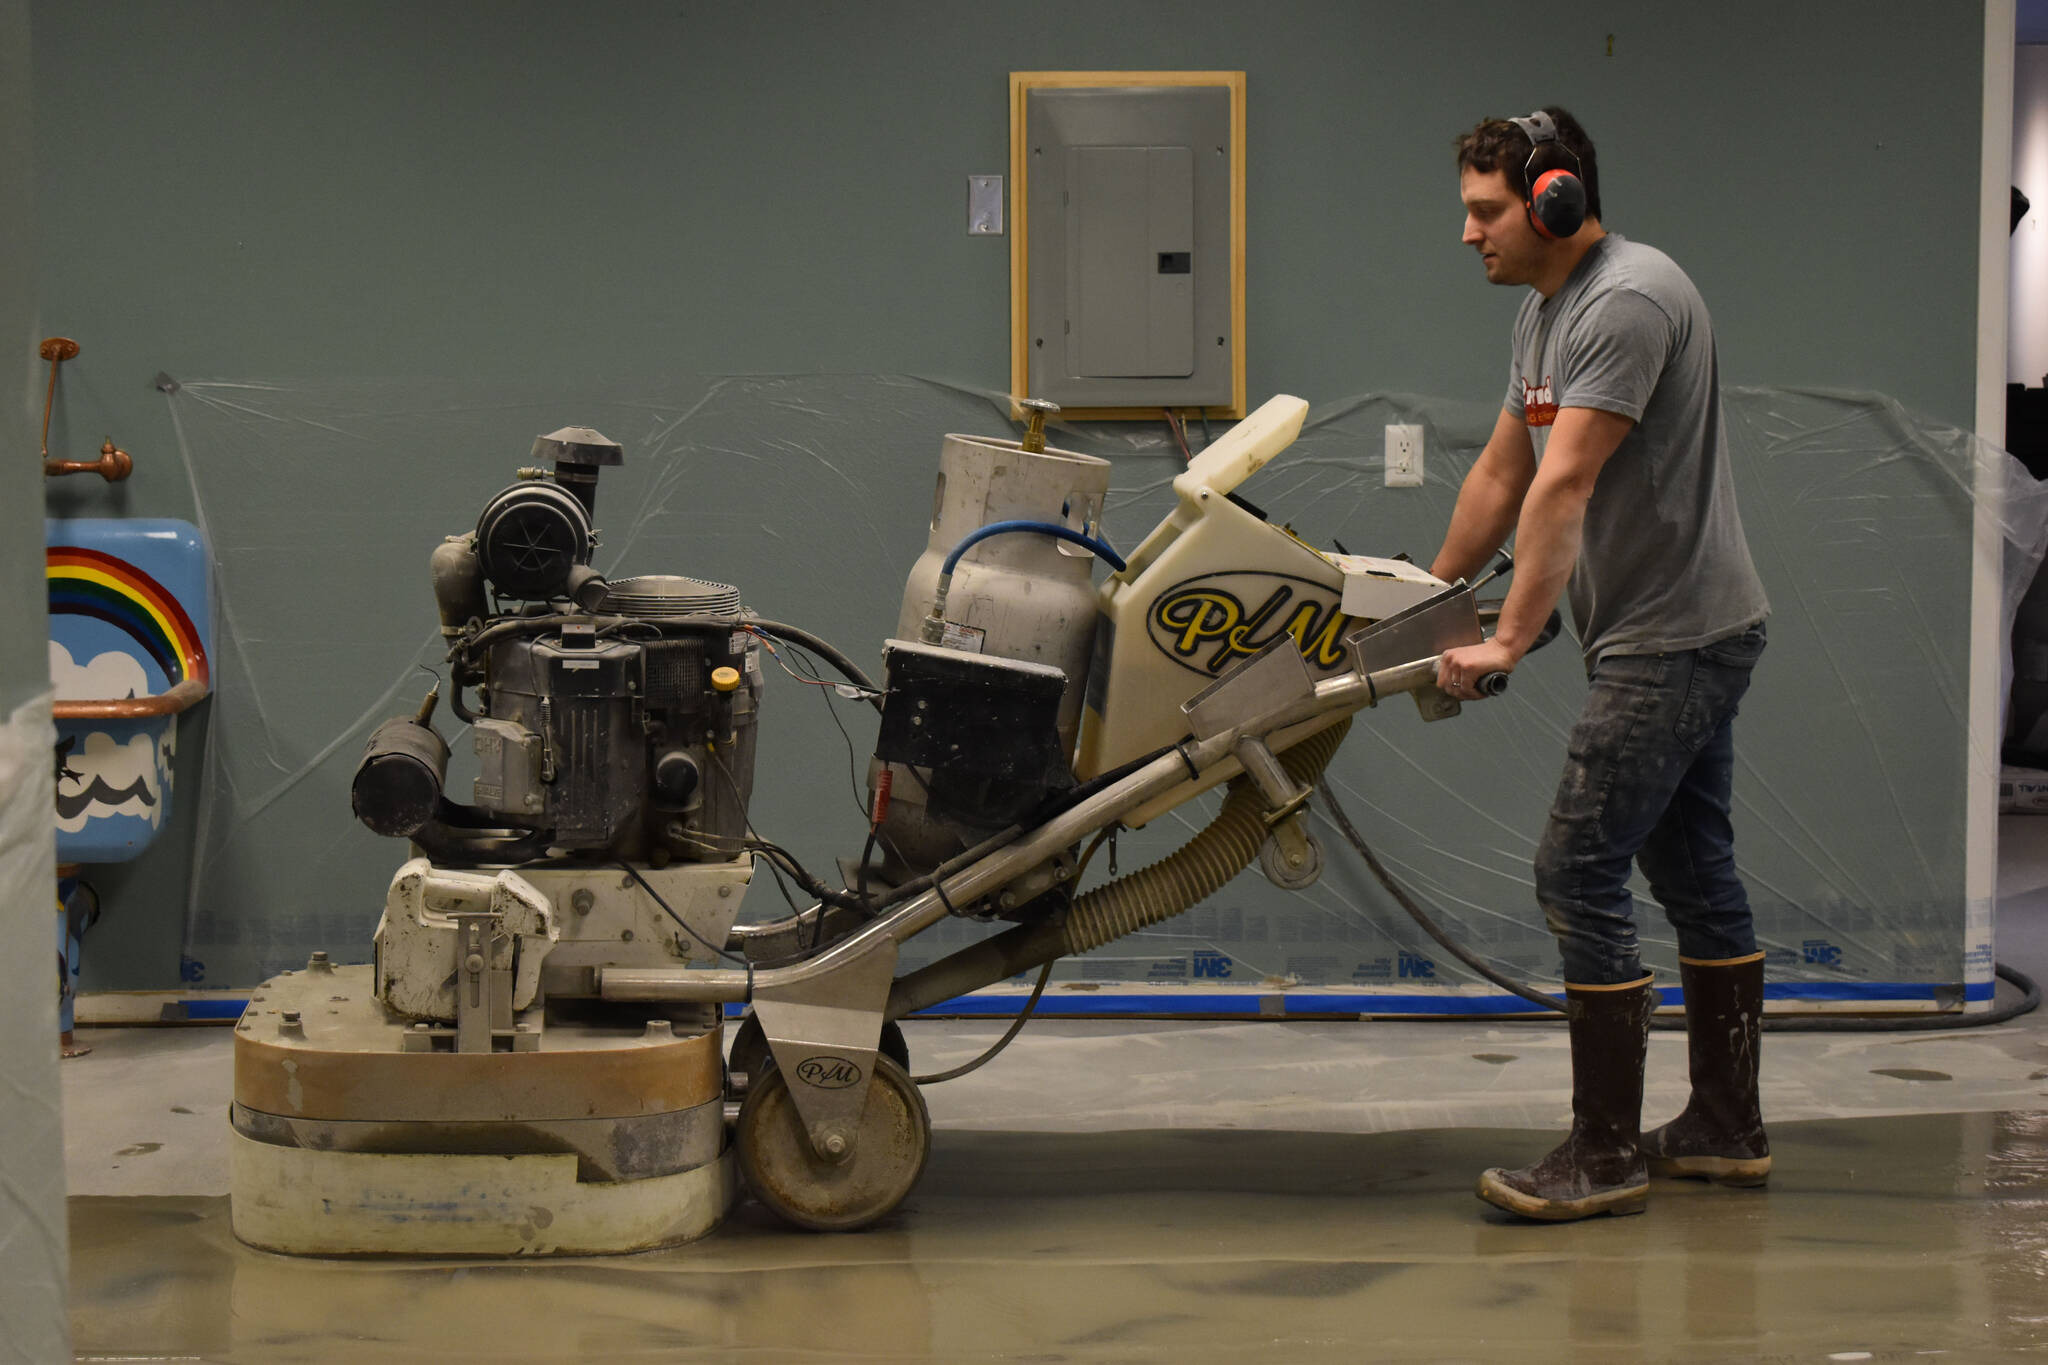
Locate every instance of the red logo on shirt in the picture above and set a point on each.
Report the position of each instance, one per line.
(1539, 403)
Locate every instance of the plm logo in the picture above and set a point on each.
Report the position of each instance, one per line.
(828, 1073)
(1210, 621)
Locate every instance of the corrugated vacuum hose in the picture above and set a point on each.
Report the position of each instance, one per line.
(1200, 867)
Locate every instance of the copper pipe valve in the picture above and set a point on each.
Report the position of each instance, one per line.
(114, 463)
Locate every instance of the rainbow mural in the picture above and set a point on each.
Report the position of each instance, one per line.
(130, 616)
(92, 583)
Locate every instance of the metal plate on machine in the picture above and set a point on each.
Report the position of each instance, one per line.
(1262, 684)
(1446, 621)
(970, 713)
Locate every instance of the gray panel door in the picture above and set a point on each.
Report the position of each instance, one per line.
(1130, 228)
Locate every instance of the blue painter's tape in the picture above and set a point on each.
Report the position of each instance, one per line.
(1104, 1003)
(1874, 990)
(1333, 1003)
(1297, 1004)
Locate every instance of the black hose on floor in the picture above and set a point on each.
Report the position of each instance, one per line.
(2029, 997)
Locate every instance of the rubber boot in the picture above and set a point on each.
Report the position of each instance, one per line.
(1720, 1135)
(1599, 1166)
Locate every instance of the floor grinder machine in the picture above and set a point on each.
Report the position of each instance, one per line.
(533, 1061)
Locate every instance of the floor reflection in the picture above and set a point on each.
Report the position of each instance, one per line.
(1887, 1236)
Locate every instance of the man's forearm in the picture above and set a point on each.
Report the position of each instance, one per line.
(1546, 547)
(1480, 523)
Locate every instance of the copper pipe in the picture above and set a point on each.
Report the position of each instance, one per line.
(182, 697)
(56, 350)
(114, 464)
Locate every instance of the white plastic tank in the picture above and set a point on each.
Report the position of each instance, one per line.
(1211, 586)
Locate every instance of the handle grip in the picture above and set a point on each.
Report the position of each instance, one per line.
(1491, 684)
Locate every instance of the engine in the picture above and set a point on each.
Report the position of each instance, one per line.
(613, 720)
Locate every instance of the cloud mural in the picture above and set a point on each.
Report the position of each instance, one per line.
(99, 774)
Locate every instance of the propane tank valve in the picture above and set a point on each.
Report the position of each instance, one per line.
(1036, 410)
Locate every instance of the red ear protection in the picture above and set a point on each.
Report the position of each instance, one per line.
(1557, 204)
(1556, 201)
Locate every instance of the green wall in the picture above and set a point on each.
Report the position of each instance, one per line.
(512, 195)
(507, 189)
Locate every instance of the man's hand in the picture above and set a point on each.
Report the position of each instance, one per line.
(1459, 670)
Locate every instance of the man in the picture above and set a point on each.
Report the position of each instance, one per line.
(1609, 464)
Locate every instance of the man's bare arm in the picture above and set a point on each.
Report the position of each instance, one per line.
(1489, 501)
(1547, 536)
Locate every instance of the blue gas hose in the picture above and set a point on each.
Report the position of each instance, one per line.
(1100, 548)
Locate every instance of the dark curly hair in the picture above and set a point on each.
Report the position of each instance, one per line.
(1498, 145)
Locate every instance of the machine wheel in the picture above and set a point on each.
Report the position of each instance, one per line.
(888, 1156)
(1291, 877)
(750, 1054)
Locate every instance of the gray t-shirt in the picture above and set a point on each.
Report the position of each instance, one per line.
(1663, 564)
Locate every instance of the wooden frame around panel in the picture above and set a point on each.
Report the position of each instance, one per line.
(1023, 82)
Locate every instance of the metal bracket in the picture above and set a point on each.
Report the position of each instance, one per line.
(823, 1034)
(1283, 797)
(483, 985)
(1274, 677)
(1446, 621)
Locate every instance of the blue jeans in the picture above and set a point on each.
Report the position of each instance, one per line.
(1648, 780)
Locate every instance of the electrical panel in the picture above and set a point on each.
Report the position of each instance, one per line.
(1127, 269)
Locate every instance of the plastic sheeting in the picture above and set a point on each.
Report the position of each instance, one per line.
(33, 1238)
(812, 493)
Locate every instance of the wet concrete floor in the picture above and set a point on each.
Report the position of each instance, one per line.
(1909, 1237)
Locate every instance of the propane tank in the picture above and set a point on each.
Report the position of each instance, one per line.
(1021, 596)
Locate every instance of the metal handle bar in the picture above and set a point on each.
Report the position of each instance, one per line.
(1344, 693)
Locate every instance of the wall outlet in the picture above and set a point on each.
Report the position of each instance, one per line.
(1404, 455)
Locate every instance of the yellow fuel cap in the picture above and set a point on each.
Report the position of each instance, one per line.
(725, 679)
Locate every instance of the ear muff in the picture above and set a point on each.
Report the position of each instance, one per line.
(1557, 204)
(1556, 201)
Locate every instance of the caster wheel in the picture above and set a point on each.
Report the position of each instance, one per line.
(1290, 876)
(750, 1055)
(783, 1172)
